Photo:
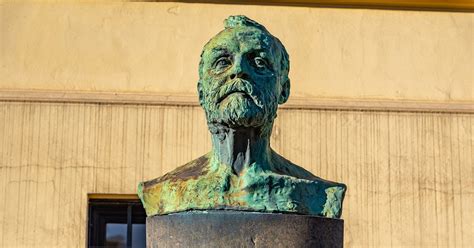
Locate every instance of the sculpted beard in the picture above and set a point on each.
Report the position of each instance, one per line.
(239, 103)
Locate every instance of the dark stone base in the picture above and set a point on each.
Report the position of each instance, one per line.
(221, 228)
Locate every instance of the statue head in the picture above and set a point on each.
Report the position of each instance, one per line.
(243, 76)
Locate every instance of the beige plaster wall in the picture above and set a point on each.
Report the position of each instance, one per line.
(155, 47)
(409, 175)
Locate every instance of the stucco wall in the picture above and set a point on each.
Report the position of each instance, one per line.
(409, 173)
(155, 47)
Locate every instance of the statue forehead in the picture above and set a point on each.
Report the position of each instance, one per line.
(240, 38)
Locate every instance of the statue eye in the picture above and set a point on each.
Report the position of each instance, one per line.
(260, 62)
(222, 63)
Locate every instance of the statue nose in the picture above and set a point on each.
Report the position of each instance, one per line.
(240, 74)
(239, 69)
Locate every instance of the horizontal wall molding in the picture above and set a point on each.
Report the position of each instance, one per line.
(192, 100)
(428, 5)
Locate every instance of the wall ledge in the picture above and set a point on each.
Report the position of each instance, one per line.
(192, 100)
(417, 5)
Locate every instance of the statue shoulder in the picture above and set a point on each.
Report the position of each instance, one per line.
(328, 195)
(284, 166)
(157, 194)
(192, 169)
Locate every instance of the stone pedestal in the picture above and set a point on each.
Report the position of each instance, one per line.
(221, 228)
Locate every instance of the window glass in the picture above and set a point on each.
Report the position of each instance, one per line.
(116, 223)
(138, 235)
(116, 235)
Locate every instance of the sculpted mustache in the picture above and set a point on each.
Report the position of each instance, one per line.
(239, 85)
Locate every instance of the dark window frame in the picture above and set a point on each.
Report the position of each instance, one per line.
(103, 211)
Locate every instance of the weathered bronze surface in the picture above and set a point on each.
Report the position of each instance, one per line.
(243, 229)
(243, 76)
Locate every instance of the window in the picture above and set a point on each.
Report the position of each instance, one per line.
(116, 223)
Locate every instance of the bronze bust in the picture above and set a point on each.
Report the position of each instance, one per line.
(243, 77)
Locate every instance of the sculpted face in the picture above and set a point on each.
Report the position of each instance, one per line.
(243, 77)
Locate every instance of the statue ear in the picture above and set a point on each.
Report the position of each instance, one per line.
(200, 93)
(285, 92)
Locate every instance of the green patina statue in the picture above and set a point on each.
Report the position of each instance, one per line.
(243, 76)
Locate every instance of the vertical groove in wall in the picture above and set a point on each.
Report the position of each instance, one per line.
(409, 175)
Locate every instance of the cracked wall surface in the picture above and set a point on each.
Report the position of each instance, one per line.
(409, 173)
